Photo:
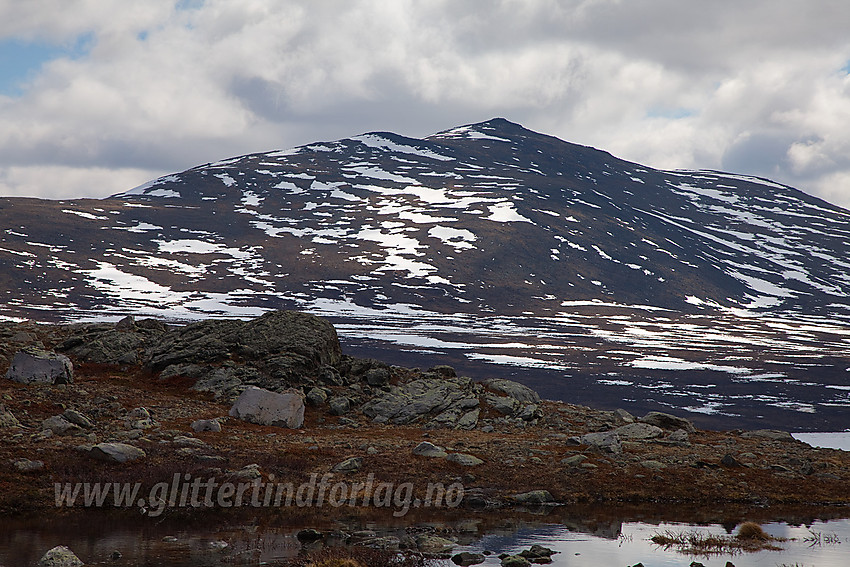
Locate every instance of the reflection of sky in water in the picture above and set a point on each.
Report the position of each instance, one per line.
(826, 440)
(633, 546)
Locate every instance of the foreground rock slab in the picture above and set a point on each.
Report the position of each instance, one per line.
(116, 452)
(60, 556)
(265, 407)
(37, 366)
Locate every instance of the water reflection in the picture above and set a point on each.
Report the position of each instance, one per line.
(580, 542)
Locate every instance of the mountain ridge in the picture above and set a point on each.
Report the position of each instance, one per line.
(498, 247)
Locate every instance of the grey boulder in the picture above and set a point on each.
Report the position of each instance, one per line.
(37, 366)
(116, 452)
(265, 407)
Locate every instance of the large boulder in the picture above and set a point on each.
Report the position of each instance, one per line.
(667, 421)
(605, 441)
(515, 390)
(283, 340)
(265, 407)
(36, 366)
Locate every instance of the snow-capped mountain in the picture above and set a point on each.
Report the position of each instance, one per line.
(486, 243)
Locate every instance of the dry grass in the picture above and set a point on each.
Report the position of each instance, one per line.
(750, 538)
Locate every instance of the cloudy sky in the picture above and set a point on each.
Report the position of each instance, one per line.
(98, 96)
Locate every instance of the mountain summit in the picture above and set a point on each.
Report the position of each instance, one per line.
(465, 240)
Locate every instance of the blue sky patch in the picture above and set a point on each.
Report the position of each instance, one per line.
(22, 60)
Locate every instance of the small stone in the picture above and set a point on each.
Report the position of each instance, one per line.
(27, 466)
(351, 464)
(434, 544)
(534, 497)
(730, 461)
(378, 376)
(60, 426)
(309, 534)
(339, 405)
(515, 561)
(653, 465)
(316, 397)
(428, 449)
(77, 418)
(116, 452)
(200, 425)
(574, 460)
(464, 459)
(466, 558)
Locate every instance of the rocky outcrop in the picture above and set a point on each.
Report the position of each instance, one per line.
(667, 421)
(515, 390)
(264, 407)
(32, 365)
(284, 341)
(122, 343)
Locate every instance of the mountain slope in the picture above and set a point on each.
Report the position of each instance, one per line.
(511, 232)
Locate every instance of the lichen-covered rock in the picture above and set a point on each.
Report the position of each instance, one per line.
(310, 341)
(60, 426)
(428, 449)
(7, 419)
(36, 366)
(515, 390)
(264, 407)
(116, 452)
(667, 421)
(416, 399)
(606, 441)
(638, 431)
(60, 556)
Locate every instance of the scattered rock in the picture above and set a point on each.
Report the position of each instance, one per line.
(653, 465)
(200, 425)
(428, 449)
(116, 452)
(60, 556)
(667, 421)
(431, 544)
(605, 441)
(263, 407)
(538, 554)
(624, 416)
(339, 405)
(466, 558)
(771, 434)
(60, 426)
(639, 431)
(377, 376)
(515, 561)
(27, 466)
(574, 460)
(7, 419)
(680, 436)
(730, 461)
(77, 418)
(534, 497)
(36, 366)
(316, 397)
(464, 459)
(309, 534)
(351, 464)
